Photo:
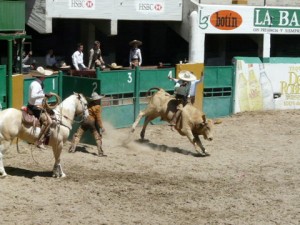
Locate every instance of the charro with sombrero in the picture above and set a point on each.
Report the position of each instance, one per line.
(181, 91)
(93, 123)
(36, 97)
(135, 54)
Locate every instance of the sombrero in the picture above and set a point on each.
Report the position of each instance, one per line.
(64, 66)
(95, 96)
(137, 42)
(41, 72)
(115, 66)
(186, 75)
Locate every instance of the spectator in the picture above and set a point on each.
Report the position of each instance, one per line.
(95, 59)
(26, 65)
(135, 54)
(51, 61)
(77, 58)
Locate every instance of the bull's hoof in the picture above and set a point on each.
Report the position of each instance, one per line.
(142, 140)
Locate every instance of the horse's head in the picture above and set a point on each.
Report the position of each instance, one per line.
(82, 106)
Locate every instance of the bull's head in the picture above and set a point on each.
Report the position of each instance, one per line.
(205, 128)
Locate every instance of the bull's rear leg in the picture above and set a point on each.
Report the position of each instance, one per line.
(146, 122)
(137, 120)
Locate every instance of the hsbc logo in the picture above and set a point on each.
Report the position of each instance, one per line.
(82, 4)
(158, 7)
(150, 7)
(89, 4)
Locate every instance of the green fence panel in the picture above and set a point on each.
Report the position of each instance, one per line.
(51, 84)
(156, 78)
(82, 85)
(117, 81)
(119, 116)
(12, 15)
(218, 91)
(3, 96)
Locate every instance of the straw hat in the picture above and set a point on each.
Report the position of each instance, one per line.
(95, 96)
(137, 42)
(64, 66)
(115, 66)
(41, 72)
(186, 75)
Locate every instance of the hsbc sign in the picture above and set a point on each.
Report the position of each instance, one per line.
(82, 4)
(153, 7)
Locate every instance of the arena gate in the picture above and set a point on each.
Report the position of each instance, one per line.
(218, 91)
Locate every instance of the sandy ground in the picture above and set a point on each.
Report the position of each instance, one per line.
(251, 177)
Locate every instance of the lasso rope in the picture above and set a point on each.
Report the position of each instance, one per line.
(48, 106)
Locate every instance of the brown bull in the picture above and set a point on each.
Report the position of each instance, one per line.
(191, 123)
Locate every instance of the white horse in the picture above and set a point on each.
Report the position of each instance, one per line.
(11, 126)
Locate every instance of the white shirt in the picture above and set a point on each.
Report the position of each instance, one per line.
(50, 61)
(36, 93)
(135, 53)
(77, 59)
(193, 87)
(192, 91)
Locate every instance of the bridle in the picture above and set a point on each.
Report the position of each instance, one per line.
(83, 116)
(84, 107)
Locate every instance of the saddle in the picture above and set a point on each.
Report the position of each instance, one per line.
(28, 118)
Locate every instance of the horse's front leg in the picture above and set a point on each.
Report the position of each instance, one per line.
(57, 168)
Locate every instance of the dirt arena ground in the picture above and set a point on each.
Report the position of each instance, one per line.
(251, 177)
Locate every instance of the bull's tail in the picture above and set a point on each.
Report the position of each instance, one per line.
(153, 88)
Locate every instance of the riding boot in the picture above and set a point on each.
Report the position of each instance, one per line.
(100, 150)
(46, 122)
(76, 139)
(98, 139)
(176, 115)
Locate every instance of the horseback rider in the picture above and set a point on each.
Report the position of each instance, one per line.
(36, 97)
(181, 91)
(93, 123)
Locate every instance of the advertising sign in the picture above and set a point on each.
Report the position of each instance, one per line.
(267, 86)
(82, 4)
(150, 7)
(247, 19)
